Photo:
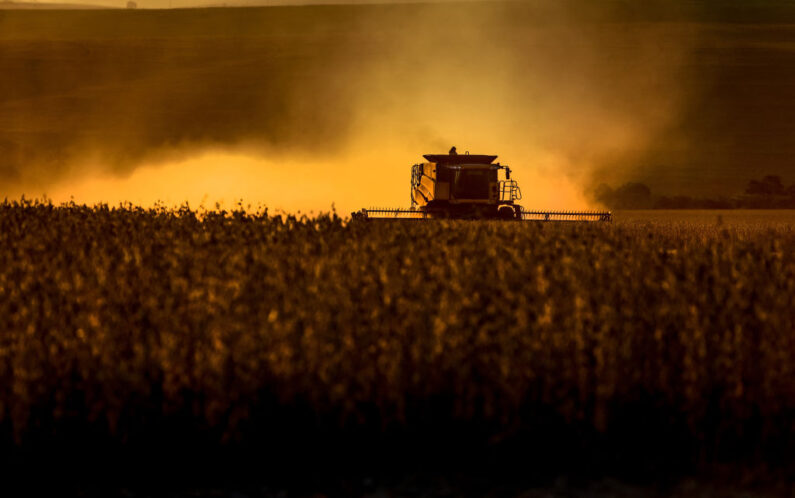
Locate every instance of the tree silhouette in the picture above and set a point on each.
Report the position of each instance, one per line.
(769, 185)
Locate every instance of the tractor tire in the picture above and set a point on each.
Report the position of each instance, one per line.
(506, 213)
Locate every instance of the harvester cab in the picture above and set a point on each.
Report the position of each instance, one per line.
(464, 186)
(468, 186)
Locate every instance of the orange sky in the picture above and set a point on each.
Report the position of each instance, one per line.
(357, 180)
(264, 119)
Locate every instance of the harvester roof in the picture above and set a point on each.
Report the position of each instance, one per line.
(459, 158)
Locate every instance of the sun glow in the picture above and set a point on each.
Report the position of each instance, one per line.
(346, 183)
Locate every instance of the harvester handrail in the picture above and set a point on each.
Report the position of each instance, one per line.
(510, 191)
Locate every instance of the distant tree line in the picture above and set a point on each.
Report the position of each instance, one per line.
(767, 193)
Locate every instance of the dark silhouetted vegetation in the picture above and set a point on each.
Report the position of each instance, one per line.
(631, 195)
(767, 193)
(317, 341)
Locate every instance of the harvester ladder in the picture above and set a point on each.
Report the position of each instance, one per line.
(509, 191)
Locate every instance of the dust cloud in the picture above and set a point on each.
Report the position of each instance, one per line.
(302, 108)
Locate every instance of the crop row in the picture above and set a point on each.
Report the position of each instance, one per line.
(234, 328)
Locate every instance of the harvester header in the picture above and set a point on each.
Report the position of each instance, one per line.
(468, 186)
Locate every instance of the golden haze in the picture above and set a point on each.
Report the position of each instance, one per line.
(333, 105)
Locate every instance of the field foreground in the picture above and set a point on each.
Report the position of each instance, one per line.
(253, 341)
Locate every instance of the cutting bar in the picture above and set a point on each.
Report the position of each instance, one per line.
(390, 214)
(567, 215)
(416, 214)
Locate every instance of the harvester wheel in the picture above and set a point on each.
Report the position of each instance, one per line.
(506, 213)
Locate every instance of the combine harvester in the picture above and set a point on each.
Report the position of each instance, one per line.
(466, 186)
